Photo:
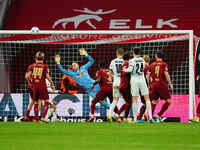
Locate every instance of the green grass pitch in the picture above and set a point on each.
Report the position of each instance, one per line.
(99, 136)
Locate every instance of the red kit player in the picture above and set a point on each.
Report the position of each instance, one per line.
(105, 80)
(36, 74)
(159, 88)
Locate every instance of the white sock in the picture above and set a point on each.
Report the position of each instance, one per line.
(134, 109)
(49, 113)
(149, 110)
(112, 107)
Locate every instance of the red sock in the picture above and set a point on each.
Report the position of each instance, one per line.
(198, 110)
(127, 109)
(92, 107)
(153, 106)
(142, 111)
(122, 108)
(27, 113)
(164, 108)
(46, 107)
(36, 111)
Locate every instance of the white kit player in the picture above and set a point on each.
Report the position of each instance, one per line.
(138, 83)
(115, 67)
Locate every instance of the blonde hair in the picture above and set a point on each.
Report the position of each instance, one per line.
(146, 58)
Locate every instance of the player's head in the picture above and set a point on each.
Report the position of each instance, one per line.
(136, 51)
(159, 55)
(146, 59)
(75, 66)
(126, 56)
(120, 52)
(39, 56)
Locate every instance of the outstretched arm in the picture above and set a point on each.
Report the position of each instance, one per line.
(90, 59)
(57, 60)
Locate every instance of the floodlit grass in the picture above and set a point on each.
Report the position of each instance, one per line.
(99, 136)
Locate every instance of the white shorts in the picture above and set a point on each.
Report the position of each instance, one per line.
(116, 92)
(138, 87)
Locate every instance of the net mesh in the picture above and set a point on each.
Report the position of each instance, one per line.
(17, 52)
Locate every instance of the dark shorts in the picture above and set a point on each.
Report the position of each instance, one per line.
(159, 91)
(40, 92)
(105, 91)
(126, 93)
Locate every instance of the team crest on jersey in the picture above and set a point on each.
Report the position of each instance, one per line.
(80, 74)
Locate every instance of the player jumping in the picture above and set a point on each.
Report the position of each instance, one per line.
(81, 75)
(159, 88)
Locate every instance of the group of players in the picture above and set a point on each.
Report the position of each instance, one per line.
(128, 75)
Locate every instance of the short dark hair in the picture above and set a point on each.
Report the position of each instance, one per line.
(160, 54)
(120, 51)
(136, 50)
(126, 56)
(39, 56)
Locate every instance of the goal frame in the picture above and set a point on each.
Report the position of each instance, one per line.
(191, 47)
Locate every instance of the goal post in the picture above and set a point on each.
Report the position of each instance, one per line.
(17, 48)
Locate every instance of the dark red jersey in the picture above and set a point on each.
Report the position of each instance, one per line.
(157, 70)
(105, 76)
(38, 72)
(125, 77)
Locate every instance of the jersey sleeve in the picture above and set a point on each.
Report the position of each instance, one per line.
(165, 68)
(89, 63)
(130, 67)
(30, 68)
(71, 74)
(98, 74)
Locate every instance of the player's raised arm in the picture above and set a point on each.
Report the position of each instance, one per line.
(57, 60)
(83, 52)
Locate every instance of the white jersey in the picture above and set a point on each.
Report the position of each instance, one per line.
(116, 67)
(138, 82)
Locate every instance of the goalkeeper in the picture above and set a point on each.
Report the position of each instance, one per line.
(81, 75)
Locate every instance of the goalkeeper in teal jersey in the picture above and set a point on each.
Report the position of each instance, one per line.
(80, 75)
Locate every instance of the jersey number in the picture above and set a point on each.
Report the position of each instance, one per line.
(37, 72)
(139, 68)
(118, 67)
(157, 69)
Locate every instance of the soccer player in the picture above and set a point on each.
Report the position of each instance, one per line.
(81, 75)
(115, 67)
(147, 77)
(159, 88)
(105, 79)
(36, 74)
(138, 83)
(124, 88)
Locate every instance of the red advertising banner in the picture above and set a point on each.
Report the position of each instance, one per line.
(104, 15)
